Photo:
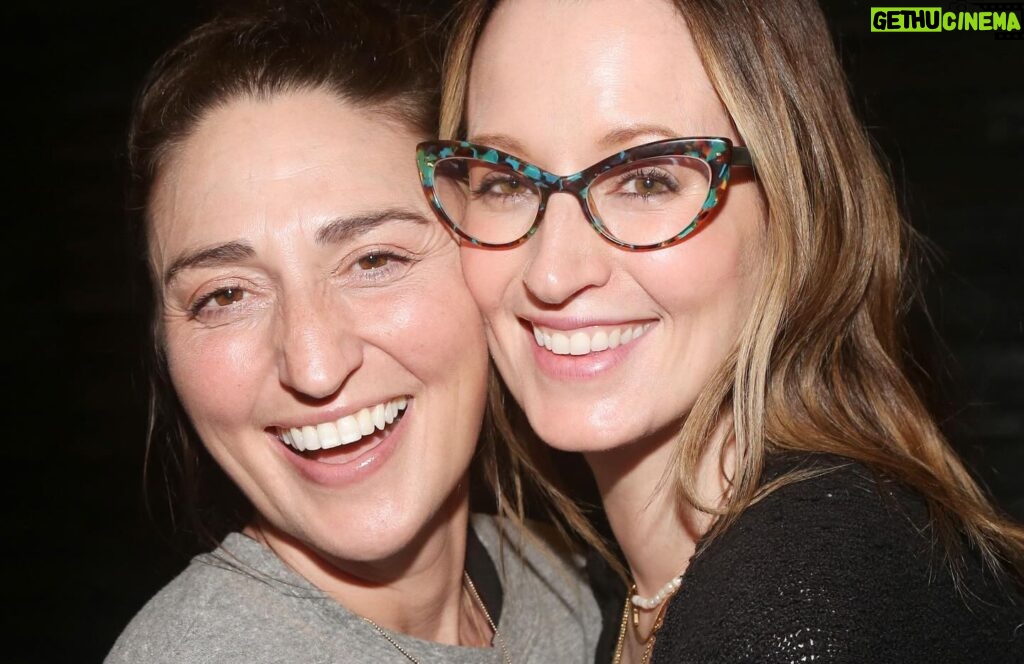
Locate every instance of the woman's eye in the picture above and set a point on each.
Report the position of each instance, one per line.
(374, 261)
(647, 185)
(502, 186)
(508, 187)
(209, 306)
(380, 266)
(228, 296)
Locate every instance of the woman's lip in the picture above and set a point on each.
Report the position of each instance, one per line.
(332, 415)
(575, 323)
(354, 470)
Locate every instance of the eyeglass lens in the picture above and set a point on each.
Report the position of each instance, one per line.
(641, 202)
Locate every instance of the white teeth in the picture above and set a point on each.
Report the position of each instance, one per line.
(309, 438)
(579, 343)
(347, 430)
(582, 343)
(326, 436)
(365, 420)
(559, 344)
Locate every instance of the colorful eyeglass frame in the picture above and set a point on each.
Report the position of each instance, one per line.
(719, 153)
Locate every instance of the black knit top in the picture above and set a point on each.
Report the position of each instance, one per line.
(836, 568)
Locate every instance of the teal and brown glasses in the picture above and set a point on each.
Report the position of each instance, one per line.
(646, 197)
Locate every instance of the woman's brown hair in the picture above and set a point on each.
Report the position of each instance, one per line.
(819, 365)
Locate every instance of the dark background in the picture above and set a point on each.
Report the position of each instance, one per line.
(80, 551)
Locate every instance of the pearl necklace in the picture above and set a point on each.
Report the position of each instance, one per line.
(650, 603)
(629, 611)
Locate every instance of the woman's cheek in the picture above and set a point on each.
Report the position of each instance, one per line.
(488, 275)
(422, 323)
(213, 371)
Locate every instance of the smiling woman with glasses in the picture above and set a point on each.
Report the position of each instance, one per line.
(725, 351)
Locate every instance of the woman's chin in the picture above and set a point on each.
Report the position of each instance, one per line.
(387, 535)
(599, 430)
(346, 544)
(570, 436)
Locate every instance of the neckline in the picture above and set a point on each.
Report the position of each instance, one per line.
(244, 555)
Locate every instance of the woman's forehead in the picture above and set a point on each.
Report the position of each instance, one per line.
(254, 164)
(565, 73)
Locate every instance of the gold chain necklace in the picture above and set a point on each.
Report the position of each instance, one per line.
(494, 628)
(630, 615)
(476, 597)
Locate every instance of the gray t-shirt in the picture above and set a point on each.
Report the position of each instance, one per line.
(242, 604)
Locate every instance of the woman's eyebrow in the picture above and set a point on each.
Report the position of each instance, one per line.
(612, 140)
(333, 232)
(342, 229)
(503, 142)
(221, 254)
(619, 136)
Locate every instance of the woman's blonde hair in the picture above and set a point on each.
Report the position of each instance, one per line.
(818, 366)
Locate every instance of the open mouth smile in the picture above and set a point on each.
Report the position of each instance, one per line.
(592, 340)
(346, 430)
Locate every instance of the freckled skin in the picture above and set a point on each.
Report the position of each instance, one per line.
(608, 66)
(316, 329)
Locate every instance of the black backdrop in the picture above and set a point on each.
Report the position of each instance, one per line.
(80, 553)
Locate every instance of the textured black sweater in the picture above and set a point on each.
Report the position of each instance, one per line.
(836, 568)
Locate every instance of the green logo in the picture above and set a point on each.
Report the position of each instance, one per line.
(999, 17)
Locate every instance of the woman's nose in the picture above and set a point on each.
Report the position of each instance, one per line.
(567, 256)
(318, 347)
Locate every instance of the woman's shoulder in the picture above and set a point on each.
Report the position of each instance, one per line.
(219, 608)
(834, 503)
(538, 544)
(545, 585)
(827, 503)
(841, 564)
(533, 554)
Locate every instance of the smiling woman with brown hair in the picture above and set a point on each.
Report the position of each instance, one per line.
(691, 265)
(319, 343)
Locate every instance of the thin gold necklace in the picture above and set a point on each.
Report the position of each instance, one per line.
(494, 628)
(629, 615)
(476, 597)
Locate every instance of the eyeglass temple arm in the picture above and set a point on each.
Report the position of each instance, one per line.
(741, 156)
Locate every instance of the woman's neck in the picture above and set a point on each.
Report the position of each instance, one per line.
(418, 591)
(657, 532)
